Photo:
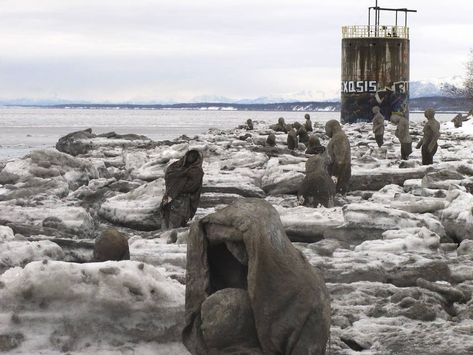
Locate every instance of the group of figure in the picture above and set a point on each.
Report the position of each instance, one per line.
(428, 143)
(318, 187)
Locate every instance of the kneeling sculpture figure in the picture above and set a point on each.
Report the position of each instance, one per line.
(249, 290)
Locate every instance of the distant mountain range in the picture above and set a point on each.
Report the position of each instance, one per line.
(423, 94)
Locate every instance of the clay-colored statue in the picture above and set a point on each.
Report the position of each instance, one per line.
(339, 155)
(430, 138)
(317, 188)
(292, 140)
(280, 126)
(402, 133)
(308, 123)
(378, 126)
(314, 146)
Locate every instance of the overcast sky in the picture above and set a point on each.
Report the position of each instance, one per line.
(157, 50)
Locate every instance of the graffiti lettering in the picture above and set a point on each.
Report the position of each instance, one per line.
(358, 86)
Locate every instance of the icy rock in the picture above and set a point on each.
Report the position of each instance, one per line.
(402, 270)
(442, 179)
(82, 142)
(211, 199)
(138, 209)
(371, 215)
(457, 218)
(6, 234)
(20, 253)
(67, 221)
(466, 248)
(303, 224)
(89, 304)
(421, 240)
(376, 179)
(446, 290)
(280, 179)
(170, 257)
(228, 183)
(42, 165)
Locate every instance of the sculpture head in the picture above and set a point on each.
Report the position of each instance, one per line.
(375, 109)
(307, 116)
(314, 141)
(429, 113)
(281, 121)
(249, 121)
(296, 125)
(395, 118)
(332, 127)
(192, 156)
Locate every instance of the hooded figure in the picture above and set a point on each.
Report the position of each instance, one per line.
(240, 256)
(280, 126)
(429, 140)
(339, 155)
(317, 186)
(378, 126)
(183, 180)
(314, 146)
(308, 123)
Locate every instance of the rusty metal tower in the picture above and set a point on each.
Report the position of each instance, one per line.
(375, 67)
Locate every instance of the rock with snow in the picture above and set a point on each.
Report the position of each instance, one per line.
(68, 307)
(19, 253)
(138, 209)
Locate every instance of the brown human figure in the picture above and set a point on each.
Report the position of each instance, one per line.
(308, 123)
(317, 188)
(402, 133)
(280, 126)
(314, 146)
(430, 138)
(183, 180)
(111, 245)
(292, 141)
(271, 140)
(249, 124)
(459, 119)
(378, 126)
(339, 155)
(303, 136)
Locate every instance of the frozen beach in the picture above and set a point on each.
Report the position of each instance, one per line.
(24, 129)
(396, 251)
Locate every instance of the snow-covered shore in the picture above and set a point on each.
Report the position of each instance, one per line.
(396, 252)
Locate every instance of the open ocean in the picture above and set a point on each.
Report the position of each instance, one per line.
(25, 129)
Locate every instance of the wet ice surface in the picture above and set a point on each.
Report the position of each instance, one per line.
(389, 249)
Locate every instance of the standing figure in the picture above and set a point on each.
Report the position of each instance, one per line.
(430, 138)
(317, 188)
(280, 126)
(308, 123)
(314, 146)
(402, 133)
(339, 155)
(292, 141)
(378, 126)
(183, 180)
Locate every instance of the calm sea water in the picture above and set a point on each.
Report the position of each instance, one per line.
(25, 129)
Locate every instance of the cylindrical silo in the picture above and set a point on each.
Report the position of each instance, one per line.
(375, 72)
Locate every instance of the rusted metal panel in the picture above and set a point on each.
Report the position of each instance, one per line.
(375, 72)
